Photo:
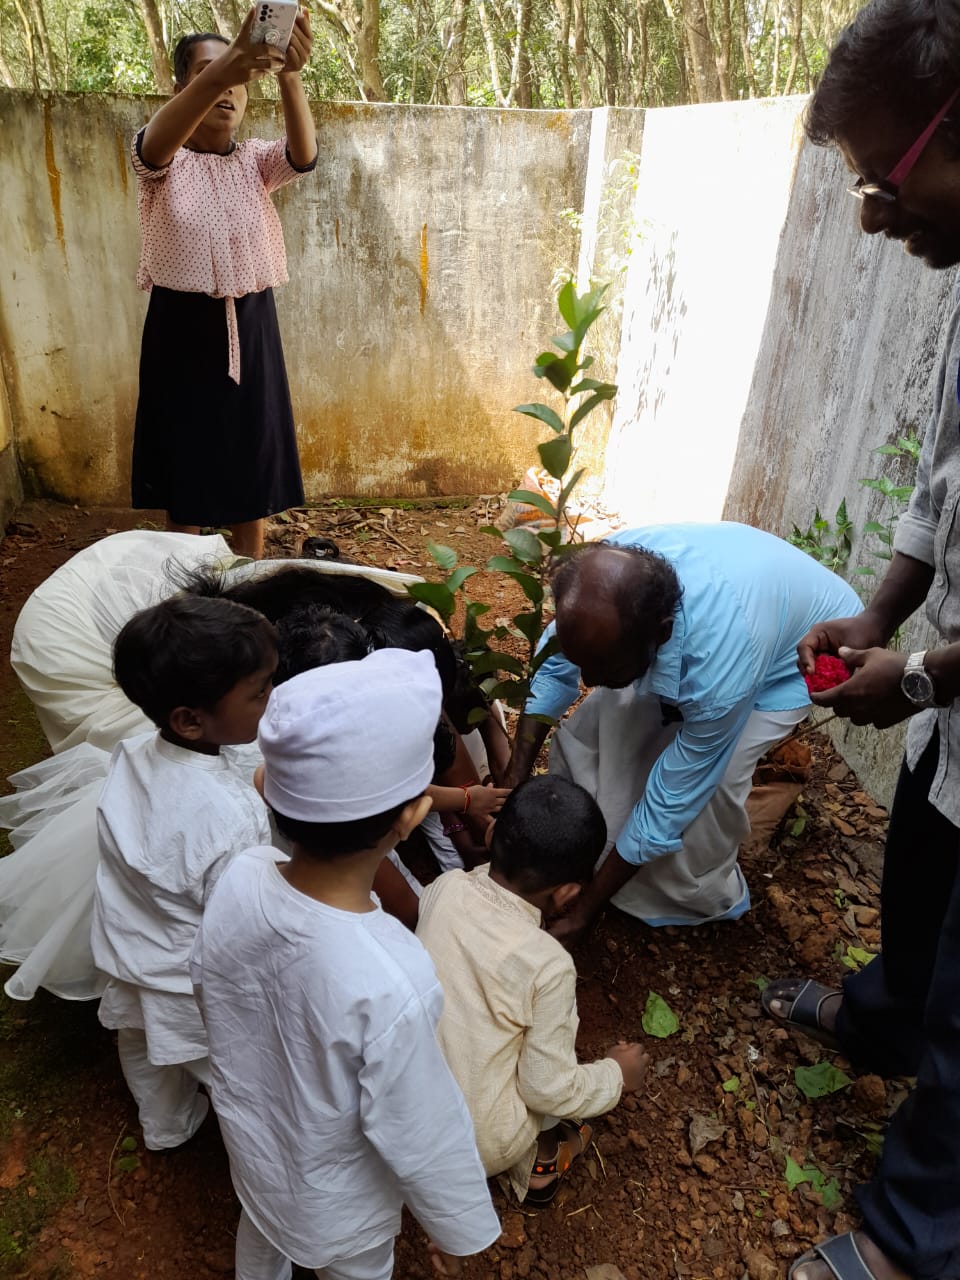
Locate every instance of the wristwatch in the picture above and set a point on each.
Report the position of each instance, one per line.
(916, 684)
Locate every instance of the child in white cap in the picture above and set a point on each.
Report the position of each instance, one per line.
(334, 1100)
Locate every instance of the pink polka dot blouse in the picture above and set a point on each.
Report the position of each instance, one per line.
(208, 225)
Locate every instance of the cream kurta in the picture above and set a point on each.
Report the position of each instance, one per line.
(509, 1023)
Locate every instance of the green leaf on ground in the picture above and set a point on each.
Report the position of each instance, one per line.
(732, 1085)
(818, 1081)
(658, 1018)
(856, 958)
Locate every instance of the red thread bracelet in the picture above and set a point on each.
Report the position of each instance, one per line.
(465, 788)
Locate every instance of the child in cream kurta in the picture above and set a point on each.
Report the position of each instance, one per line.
(509, 1023)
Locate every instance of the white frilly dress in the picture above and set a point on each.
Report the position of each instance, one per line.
(62, 652)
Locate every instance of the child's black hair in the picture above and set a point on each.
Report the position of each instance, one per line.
(327, 841)
(279, 593)
(314, 635)
(188, 652)
(444, 748)
(183, 53)
(400, 624)
(549, 832)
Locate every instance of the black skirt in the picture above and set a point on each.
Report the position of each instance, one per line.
(207, 450)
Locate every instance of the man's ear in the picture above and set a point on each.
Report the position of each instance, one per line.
(564, 895)
(664, 631)
(185, 723)
(411, 816)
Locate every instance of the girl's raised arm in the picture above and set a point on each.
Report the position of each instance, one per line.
(241, 62)
(297, 117)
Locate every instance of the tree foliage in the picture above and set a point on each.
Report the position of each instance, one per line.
(524, 53)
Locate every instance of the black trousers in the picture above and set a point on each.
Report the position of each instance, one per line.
(901, 1016)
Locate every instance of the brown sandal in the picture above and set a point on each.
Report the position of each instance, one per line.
(570, 1131)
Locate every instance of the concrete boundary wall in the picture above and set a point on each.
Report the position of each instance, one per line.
(847, 362)
(421, 256)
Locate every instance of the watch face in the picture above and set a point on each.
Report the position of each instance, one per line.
(917, 686)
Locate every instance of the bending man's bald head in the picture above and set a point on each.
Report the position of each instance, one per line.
(615, 607)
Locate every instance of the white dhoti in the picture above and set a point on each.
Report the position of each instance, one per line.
(609, 746)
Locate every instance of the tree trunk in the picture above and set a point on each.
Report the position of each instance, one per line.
(368, 50)
(563, 51)
(580, 53)
(797, 44)
(30, 45)
(745, 49)
(524, 93)
(226, 17)
(491, 54)
(6, 75)
(158, 50)
(611, 59)
(456, 47)
(706, 82)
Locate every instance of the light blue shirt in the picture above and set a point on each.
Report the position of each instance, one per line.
(748, 599)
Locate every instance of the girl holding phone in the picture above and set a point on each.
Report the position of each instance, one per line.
(215, 443)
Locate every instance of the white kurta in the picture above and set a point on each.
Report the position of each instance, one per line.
(169, 821)
(334, 1101)
(509, 1024)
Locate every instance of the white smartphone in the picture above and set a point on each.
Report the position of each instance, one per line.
(273, 23)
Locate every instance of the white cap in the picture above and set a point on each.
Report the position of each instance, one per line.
(351, 739)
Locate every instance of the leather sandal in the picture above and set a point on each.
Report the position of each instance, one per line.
(573, 1138)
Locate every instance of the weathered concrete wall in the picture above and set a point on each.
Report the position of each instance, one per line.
(847, 363)
(11, 490)
(420, 290)
(712, 193)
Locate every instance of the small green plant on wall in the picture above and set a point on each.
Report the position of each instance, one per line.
(525, 553)
(832, 541)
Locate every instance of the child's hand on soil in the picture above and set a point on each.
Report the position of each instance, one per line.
(445, 1264)
(633, 1061)
(486, 802)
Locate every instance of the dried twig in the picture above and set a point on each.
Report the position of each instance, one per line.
(113, 1204)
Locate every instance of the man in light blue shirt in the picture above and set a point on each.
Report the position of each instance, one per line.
(691, 632)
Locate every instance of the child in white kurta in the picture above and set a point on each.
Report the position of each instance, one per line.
(176, 806)
(509, 1024)
(334, 1101)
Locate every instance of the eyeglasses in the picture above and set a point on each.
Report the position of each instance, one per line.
(888, 188)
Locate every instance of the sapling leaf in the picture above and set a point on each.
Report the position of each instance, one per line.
(530, 586)
(820, 1080)
(494, 661)
(505, 564)
(555, 456)
(856, 958)
(543, 653)
(458, 578)
(436, 595)
(658, 1018)
(566, 342)
(477, 715)
(445, 557)
(524, 545)
(543, 413)
(591, 384)
(529, 625)
(551, 538)
(560, 373)
(531, 499)
(587, 407)
(569, 487)
(567, 303)
(732, 1085)
(127, 1164)
(128, 1144)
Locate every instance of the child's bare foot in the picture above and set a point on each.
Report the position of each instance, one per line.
(870, 1256)
(557, 1149)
